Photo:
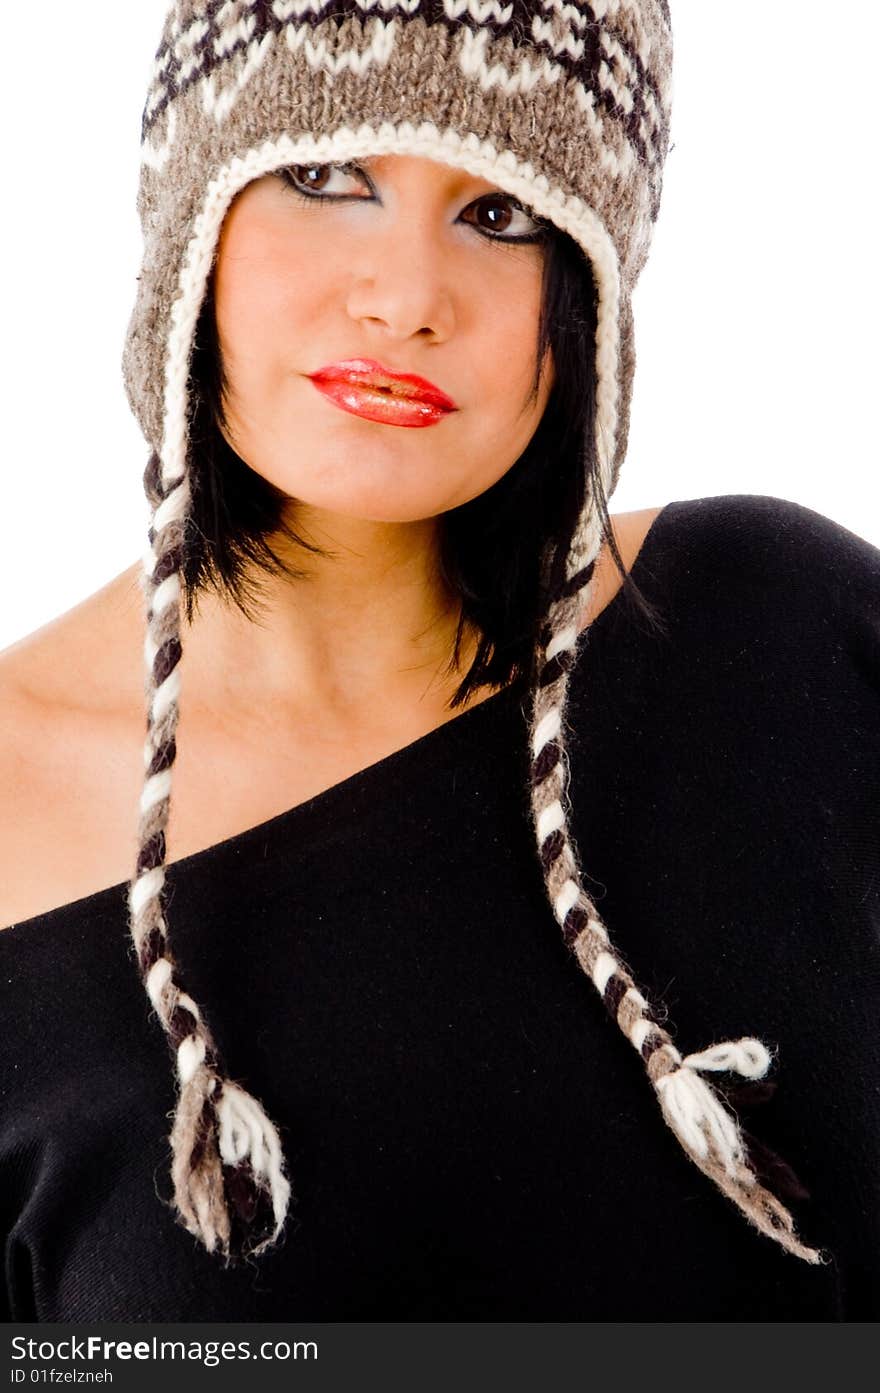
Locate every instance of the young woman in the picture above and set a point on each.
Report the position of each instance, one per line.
(434, 708)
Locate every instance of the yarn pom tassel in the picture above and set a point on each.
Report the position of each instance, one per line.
(230, 1189)
(712, 1138)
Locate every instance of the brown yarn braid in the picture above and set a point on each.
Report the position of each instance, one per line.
(227, 1202)
(713, 1141)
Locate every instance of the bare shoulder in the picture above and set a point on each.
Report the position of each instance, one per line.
(71, 712)
(72, 728)
(630, 530)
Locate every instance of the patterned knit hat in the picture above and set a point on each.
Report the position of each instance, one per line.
(564, 106)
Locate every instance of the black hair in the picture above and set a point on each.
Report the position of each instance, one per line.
(502, 554)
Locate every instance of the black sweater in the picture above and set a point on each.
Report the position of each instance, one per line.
(468, 1134)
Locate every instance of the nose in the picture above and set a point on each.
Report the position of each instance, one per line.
(403, 281)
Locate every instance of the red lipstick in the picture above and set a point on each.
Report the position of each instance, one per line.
(369, 389)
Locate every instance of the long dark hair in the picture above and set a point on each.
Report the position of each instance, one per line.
(501, 553)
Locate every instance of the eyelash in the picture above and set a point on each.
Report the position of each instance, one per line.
(348, 168)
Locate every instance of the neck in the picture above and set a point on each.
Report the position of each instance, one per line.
(368, 627)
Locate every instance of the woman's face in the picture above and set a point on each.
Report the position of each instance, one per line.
(403, 260)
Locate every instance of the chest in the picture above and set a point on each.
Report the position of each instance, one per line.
(71, 828)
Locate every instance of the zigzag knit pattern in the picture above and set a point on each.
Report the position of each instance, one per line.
(566, 106)
(601, 49)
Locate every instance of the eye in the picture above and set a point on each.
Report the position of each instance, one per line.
(500, 210)
(299, 177)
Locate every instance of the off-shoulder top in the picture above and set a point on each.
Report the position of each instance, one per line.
(468, 1134)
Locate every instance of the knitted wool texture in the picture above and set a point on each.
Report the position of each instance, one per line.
(566, 107)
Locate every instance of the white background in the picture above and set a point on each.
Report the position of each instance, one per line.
(755, 317)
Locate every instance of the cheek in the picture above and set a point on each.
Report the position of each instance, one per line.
(509, 332)
(244, 313)
(262, 284)
(509, 361)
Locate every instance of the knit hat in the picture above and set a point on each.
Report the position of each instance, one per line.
(565, 107)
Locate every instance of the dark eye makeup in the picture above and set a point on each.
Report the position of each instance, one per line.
(293, 177)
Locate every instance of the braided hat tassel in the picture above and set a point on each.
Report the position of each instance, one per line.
(692, 1108)
(230, 1190)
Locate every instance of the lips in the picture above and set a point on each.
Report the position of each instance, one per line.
(369, 389)
(367, 373)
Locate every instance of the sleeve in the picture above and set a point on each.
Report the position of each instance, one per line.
(838, 575)
(777, 654)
